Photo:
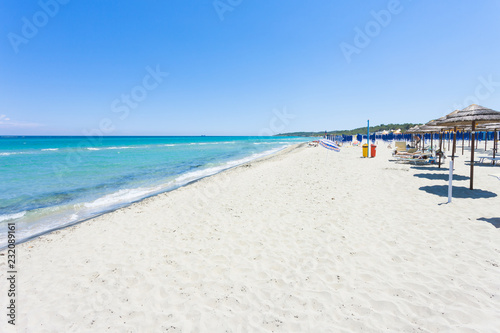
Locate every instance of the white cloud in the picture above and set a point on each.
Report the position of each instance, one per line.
(6, 122)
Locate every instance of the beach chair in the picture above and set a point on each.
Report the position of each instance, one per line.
(400, 146)
(483, 157)
(489, 157)
(419, 159)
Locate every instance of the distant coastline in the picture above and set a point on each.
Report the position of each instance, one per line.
(381, 127)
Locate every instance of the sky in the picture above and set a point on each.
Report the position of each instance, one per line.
(241, 67)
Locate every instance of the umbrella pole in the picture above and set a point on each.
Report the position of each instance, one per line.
(454, 144)
(485, 140)
(440, 146)
(472, 156)
(432, 134)
(494, 145)
(463, 139)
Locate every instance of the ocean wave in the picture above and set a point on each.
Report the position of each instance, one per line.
(122, 196)
(12, 153)
(113, 148)
(126, 147)
(9, 217)
(255, 156)
(50, 149)
(195, 175)
(125, 196)
(55, 210)
(211, 143)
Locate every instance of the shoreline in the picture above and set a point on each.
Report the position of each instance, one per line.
(111, 210)
(302, 240)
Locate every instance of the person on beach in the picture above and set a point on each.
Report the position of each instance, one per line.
(417, 141)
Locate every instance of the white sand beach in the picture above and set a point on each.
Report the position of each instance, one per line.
(306, 240)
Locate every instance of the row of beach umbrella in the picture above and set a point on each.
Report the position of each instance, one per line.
(472, 118)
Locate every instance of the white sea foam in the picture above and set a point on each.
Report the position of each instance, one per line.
(9, 217)
(195, 175)
(11, 153)
(55, 217)
(130, 195)
(50, 149)
(212, 143)
(122, 196)
(255, 156)
(113, 148)
(126, 147)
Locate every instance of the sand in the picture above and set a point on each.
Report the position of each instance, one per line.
(307, 240)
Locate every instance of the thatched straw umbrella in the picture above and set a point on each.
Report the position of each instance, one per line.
(430, 129)
(412, 130)
(471, 115)
(434, 123)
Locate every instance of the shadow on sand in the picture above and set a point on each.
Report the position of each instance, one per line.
(484, 164)
(494, 220)
(430, 168)
(439, 176)
(458, 192)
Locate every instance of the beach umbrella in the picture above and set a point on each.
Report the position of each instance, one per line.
(471, 116)
(430, 129)
(434, 123)
(451, 128)
(329, 144)
(412, 130)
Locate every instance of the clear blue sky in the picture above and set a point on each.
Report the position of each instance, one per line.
(234, 64)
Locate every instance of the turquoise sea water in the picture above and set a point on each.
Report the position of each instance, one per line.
(50, 182)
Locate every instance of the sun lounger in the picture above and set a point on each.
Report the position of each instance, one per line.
(400, 146)
(417, 161)
(491, 158)
(422, 159)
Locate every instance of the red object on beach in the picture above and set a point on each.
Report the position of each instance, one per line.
(373, 150)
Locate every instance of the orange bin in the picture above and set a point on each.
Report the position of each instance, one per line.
(373, 150)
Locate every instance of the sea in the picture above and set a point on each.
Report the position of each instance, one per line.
(47, 183)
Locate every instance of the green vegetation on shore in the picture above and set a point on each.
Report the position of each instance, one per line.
(359, 130)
